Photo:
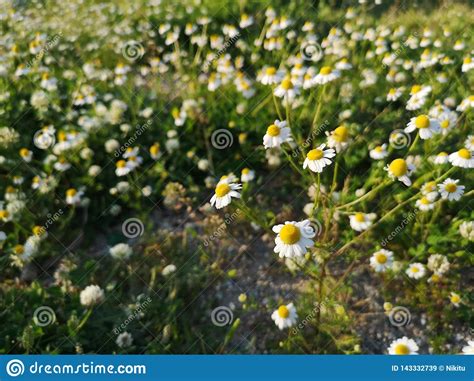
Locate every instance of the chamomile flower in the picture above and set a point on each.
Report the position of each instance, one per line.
(73, 197)
(440, 158)
(326, 74)
(338, 138)
(293, 238)
(463, 158)
(381, 260)
(450, 190)
(455, 299)
(416, 270)
(26, 154)
(394, 94)
(399, 169)
(285, 316)
(223, 194)
(121, 168)
(287, 90)
(361, 221)
(466, 103)
(379, 152)
(425, 125)
(403, 346)
(429, 190)
(469, 143)
(247, 175)
(424, 204)
(467, 64)
(318, 158)
(277, 134)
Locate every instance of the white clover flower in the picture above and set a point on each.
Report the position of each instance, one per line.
(121, 251)
(91, 296)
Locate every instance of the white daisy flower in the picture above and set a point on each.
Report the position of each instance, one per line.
(121, 168)
(426, 126)
(73, 197)
(455, 299)
(285, 316)
(381, 260)
(293, 238)
(462, 158)
(394, 94)
(424, 204)
(466, 103)
(399, 169)
(326, 75)
(467, 64)
(469, 143)
(287, 90)
(318, 158)
(449, 190)
(223, 194)
(91, 296)
(247, 175)
(403, 346)
(441, 158)
(469, 348)
(361, 221)
(338, 138)
(277, 134)
(379, 152)
(416, 270)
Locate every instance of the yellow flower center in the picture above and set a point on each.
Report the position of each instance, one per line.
(290, 234)
(340, 134)
(359, 217)
(273, 130)
(19, 249)
(415, 89)
(4, 214)
(325, 70)
(398, 167)
(401, 349)
(154, 149)
(425, 201)
(121, 164)
(245, 171)
(422, 121)
(415, 269)
(378, 149)
(287, 84)
(435, 278)
(24, 152)
(467, 60)
(315, 154)
(283, 312)
(222, 190)
(464, 153)
(451, 187)
(38, 230)
(455, 298)
(444, 124)
(471, 98)
(71, 192)
(381, 258)
(392, 91)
